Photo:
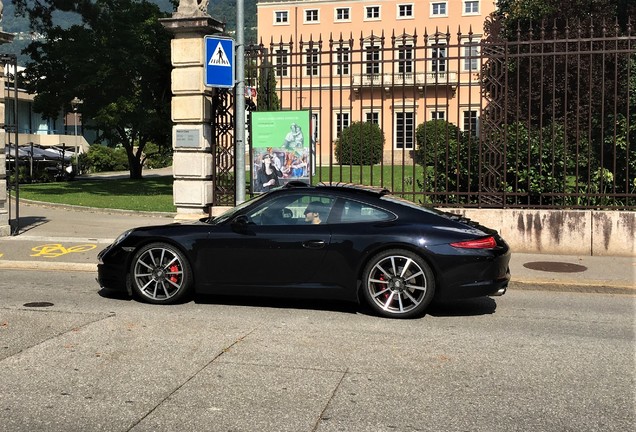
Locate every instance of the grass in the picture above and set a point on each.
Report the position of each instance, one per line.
(150, 194)
(155, 194)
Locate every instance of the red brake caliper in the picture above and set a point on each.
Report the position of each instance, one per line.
(173, 269)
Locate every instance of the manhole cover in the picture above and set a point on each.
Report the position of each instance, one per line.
(555, 267)
(38, 304)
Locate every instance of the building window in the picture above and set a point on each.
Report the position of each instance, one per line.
(404, 130)
(282, 61)
(343, 121)
(439, 9)
(405, 59)
(471, 56)
(471, 7)
(311, 60)
(343, 14)
(281, 17)
(372, 59)
(311, 16)
(470, 122)
(372, 117)
(343, 60)
(405, 11)
(438, 64)
(372, 12)
(438, 115)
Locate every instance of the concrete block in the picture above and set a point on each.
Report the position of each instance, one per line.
(614, 233)
(3, 192)
(191, 109)
(188, 80)
(187, 51)
(192, 193)
(192, 165)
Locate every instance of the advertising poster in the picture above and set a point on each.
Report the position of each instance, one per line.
(280, 148)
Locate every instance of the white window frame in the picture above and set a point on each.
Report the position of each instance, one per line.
(437, 114)
(470, 49)
(398, 11)
(281, 69)
(367, 113)
(340, 117)
(342, 65)
(435, 60)
(436, 13)
(315, 118)
(315, 13)
(374, 63)
(464, 112)
(283, 14)
(343, 9)
(405, 46)
(313, 62)
(466, 3)
(396, 139)
(370, 8)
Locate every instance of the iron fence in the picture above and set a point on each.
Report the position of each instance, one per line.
(544, 121)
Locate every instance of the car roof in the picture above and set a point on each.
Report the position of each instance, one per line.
(339, 186)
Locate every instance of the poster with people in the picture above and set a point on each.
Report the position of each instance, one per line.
(281, 142)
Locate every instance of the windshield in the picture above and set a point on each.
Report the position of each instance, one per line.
(229, 214)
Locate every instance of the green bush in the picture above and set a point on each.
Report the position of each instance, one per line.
(101, 158)
(361, 143)
(157, 157)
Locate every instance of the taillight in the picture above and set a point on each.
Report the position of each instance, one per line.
(483, 243)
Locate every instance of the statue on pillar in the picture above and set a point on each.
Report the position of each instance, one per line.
(192, 8)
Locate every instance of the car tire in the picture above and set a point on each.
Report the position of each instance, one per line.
(398, 284)
(160, 274)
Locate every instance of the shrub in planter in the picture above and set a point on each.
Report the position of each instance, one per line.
(361, 143)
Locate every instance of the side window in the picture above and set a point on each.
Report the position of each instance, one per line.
(298, 209)
(354, 211)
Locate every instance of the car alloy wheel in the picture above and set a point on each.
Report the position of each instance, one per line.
(160, 273)
(398, 284)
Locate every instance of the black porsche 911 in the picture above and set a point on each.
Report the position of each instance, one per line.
(329, 241)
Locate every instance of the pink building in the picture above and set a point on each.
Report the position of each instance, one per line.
(397, 63)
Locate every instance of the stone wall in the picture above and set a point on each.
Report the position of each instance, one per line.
(567, 232)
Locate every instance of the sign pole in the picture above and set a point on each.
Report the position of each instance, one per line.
(239, 166)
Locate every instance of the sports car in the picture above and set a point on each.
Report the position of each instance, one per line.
(328, 241)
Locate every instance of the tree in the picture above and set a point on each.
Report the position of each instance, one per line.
(117, 61)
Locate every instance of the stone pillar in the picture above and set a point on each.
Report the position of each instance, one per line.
(191, 112)
(5, 227)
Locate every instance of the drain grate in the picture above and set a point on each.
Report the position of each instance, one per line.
(555, 267)
(38, 304)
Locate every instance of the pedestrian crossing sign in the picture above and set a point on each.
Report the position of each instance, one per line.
(219, 62)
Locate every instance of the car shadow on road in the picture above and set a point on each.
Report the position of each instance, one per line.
(468, 307)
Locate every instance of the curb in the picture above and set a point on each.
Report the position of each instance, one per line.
(32, 265)
(99, 210)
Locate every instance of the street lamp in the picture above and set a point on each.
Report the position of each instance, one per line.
(75, 103)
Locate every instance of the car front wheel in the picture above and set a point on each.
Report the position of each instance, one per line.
(398, 284)
(160, 274)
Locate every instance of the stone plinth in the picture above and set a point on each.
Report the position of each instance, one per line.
(191, 115)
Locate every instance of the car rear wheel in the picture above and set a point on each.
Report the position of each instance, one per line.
(398, 284)
(160, 274)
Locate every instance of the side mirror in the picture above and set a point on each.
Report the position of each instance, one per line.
(240, 221)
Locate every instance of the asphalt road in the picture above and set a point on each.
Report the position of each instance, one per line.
(527, 361)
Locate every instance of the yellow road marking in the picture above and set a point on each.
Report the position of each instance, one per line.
(55, 250)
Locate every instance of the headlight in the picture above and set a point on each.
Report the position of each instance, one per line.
(122, 237)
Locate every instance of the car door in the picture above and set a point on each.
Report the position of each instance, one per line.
(269, 246)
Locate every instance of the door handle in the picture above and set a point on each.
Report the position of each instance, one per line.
(314, 244)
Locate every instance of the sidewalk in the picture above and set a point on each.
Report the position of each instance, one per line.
(69, 238)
